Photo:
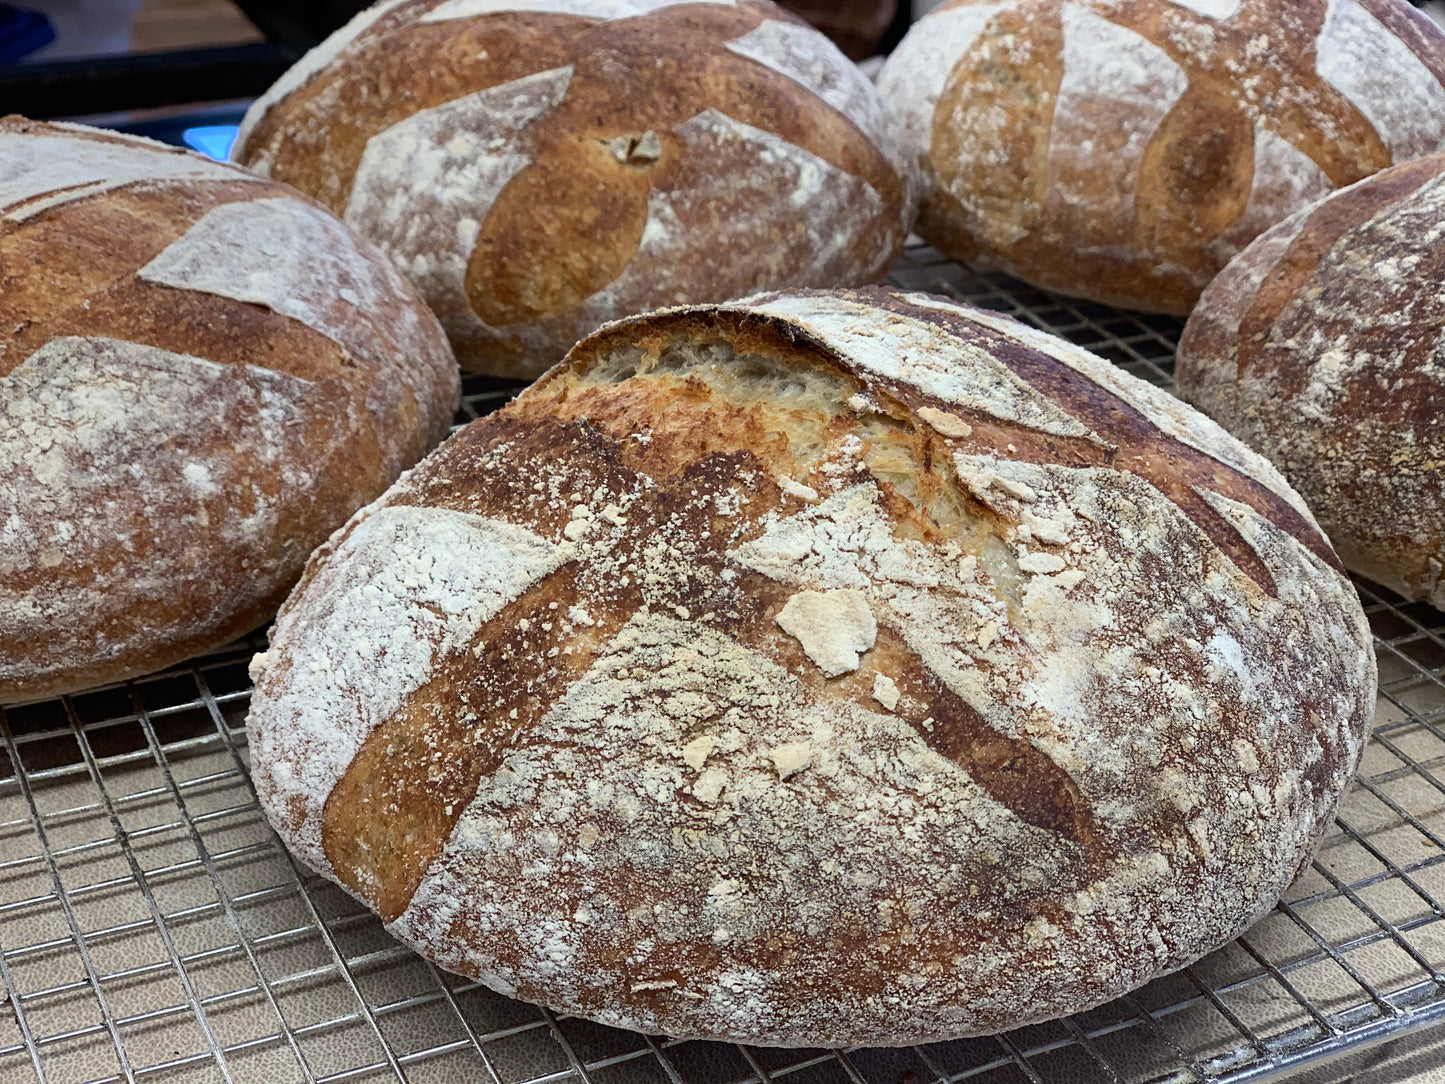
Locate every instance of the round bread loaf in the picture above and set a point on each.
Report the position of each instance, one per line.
(201, 375)
(1125, 150)
(540, 167)
(1319, 347)
(819, 669)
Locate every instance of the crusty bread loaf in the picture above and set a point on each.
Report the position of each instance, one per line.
(819, 669)
(540, 166)
(1319, 347)
(201, 375)
(1124, 150)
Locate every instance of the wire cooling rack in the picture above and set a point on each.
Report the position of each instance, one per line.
(152, 928)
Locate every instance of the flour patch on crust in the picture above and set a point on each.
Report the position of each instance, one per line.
(39, 171)
(1364, 60)
(310, 65)
(914, 77)
(1212, 9)
(96, 449)
(809, 59)
(1164, 410)
(405, 587)
(1284, 176)
(293, 258)
(733, 164)
(424, 184)
(940, 364)
(959, 625)
(1386, 249)
(603, 757)
(1117, 87)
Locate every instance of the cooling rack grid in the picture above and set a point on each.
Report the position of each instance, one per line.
(152, 928)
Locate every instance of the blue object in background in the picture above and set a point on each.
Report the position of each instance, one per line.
(22, 32)
(210, 129)
(212, 140)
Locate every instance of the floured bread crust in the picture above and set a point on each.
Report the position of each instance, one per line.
(819, 669)
(202, 373)
(1125, 150)
(1319, 346)
(538, 168)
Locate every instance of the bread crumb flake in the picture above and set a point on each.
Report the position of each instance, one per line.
(835, 627)
(1042, 563)
(696, 752)
(950, 425)
(710, 785)
(1018, 490)
(797, 489)
(885, 691)
(791, 757)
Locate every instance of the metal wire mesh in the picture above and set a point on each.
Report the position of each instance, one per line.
(153, 928)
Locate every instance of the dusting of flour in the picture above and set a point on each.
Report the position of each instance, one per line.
(406, 585)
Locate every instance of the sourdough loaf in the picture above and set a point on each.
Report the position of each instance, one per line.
(1124, 150)
(819, 669)
(1319, 346)
(539, 167)
(202, 374)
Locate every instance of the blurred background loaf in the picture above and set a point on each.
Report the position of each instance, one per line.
(202, 374)
(1124, 150)
(536, 172)
(1320, 347)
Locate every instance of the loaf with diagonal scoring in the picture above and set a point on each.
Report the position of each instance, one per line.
(1319, 347)
(1125, 150)
(202, 374)
(540, 166)
(819, 669)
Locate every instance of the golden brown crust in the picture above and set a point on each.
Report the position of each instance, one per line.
(1124, 150)
(188, 409)
(51, 285)
(559, 214)
(819, 669)
(358, 101)
(1132, 442)
(1317, 346)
